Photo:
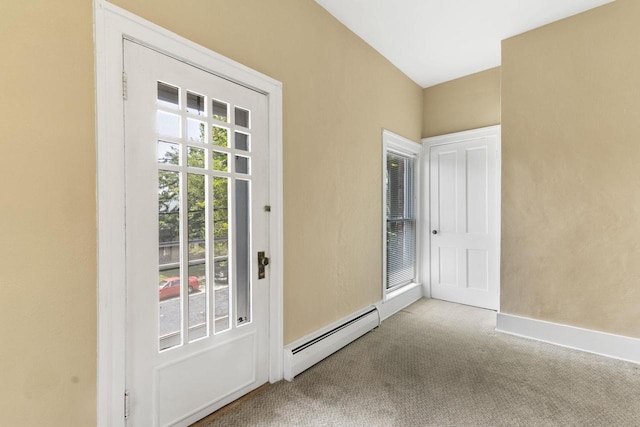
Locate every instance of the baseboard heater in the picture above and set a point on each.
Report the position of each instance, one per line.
(300, 356)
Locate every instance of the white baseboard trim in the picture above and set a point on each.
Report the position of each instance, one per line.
(602, 343)
(399, 299)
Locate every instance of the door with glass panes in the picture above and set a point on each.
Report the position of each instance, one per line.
(197, 184)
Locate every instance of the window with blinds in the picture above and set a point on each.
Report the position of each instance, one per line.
(401, 220)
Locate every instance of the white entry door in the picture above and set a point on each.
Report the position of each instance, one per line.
(197, 184)
(465, 218)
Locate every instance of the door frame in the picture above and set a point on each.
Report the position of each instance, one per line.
(111, 25)
(452, 138)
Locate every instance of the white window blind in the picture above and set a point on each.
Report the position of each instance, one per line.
(401, 220)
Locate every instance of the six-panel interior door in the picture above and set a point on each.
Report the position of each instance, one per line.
(197, 184)
(464, 222)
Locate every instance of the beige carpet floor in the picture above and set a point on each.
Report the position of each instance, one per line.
(442, 364)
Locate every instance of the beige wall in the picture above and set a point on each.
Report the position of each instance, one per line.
(466, 103)
(571, 175)
(338, 95)
(47, 214)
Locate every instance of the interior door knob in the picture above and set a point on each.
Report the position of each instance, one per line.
(435, 231)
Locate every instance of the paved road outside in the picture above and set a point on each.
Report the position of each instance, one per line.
(170, 311)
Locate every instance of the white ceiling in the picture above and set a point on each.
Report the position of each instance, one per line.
(433, 41)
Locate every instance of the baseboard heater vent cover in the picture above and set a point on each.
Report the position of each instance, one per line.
(303, 354)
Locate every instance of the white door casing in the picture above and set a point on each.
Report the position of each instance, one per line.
(112, 26)
(464, 217)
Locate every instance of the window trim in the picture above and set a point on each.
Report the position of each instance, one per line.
(397, 144)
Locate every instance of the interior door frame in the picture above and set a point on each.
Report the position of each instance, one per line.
(452, 138)
(111, 26)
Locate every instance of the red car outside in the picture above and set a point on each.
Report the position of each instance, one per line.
(171, 287)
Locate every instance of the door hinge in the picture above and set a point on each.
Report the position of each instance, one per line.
(126, 405)
(125, 89)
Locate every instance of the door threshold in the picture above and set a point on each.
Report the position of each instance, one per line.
(210, 418)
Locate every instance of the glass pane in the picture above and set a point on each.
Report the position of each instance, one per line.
(243, 256)
(220, 110)
(242, 117)
(197, 230)
(242, 141)
(221, 253)
(242, 164)
(169, 272)
(220, 162)
(400, 177)
(168, 153)
(168, 124)
(168, 96)
(195, 104)
(401, 228)
(401, 252)
(196, 131)
(219, 136)
(195, 157)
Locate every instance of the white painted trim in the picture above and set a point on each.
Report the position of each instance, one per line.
(453, 138)
(110, 224)
(466, 135)
(601, 343)
(111, 25)
(399, 299)
(276, 242)
(425, 220)
(401, 145)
